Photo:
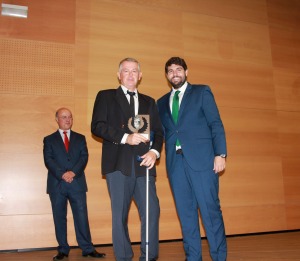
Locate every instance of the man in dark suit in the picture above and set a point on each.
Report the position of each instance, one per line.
(114, 120)
(65, 156)
(195, 154)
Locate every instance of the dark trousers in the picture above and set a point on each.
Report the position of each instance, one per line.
(59, 203)
(195, 190)
(122, 190)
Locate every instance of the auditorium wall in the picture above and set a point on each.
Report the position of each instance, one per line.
(248, 52)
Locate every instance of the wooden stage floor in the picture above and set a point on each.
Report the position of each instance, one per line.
(283, 246)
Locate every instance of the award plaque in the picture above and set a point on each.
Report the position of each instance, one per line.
(140, 124)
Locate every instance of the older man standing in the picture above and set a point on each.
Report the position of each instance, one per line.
(65, 156)
(113, 121)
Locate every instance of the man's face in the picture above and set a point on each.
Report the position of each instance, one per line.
(64, 119)
(129, 75)
(176, 75)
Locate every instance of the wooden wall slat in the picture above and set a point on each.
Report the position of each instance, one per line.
(242, 10)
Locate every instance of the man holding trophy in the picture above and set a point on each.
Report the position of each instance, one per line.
(124, 119)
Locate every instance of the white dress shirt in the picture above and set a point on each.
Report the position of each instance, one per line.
(63, 135)
(136, 109)
(182, 90)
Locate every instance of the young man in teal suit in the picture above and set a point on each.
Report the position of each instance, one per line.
(195, 154)
(66, 156)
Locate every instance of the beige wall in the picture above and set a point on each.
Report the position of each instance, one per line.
(66, 51)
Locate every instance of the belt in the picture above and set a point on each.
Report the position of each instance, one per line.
(179, 151)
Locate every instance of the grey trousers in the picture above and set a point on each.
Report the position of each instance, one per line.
(122, 189)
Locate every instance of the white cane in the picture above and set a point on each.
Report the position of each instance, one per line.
(147, 210)
(147, 202)
(147, 213)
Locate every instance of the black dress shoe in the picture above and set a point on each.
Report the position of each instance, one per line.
(153, 259)
(60, 256)
(95, 254)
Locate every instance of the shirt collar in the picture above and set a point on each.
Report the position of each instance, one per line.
(125, 89)
(62, 131)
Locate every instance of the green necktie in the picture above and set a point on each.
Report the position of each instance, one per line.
(175, 106)
(175, 109)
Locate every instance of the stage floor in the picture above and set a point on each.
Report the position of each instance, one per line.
(283, 246)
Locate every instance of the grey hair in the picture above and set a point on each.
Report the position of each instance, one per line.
(128, 59)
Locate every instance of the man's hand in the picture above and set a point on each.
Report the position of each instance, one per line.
(68, 176)
(219, 164)
(136, 139)
(148, 159)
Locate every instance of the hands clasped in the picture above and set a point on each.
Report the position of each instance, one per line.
(68, 176)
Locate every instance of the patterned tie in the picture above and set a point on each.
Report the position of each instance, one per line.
(66, 141)
(132, 110)
(175, 110)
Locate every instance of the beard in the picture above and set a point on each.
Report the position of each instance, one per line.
(178, 84)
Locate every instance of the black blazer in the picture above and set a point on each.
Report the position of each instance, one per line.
(109, 122)
(58, 161)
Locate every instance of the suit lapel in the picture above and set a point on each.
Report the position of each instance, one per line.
(184, 100)
(167, 104)
(143, 105)
(167, 108)
(60, 142)
(122, 100)
(72, 140)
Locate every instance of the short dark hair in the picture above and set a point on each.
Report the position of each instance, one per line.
(177, 61)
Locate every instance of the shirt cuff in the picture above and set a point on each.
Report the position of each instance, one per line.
(123, 141)
(156, 152)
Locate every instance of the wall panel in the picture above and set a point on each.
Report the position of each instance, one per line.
(290, 141)
(242, 10)
(51, 21)
(284, 23)
(36, 68)
(66, 51)
(287, 90)
(226, 39)
(114, 36)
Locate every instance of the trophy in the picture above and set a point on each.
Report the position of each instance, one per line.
(140, 124)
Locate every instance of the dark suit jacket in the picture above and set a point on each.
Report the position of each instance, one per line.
(109, 122)
(58, 161)
(199, 128)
